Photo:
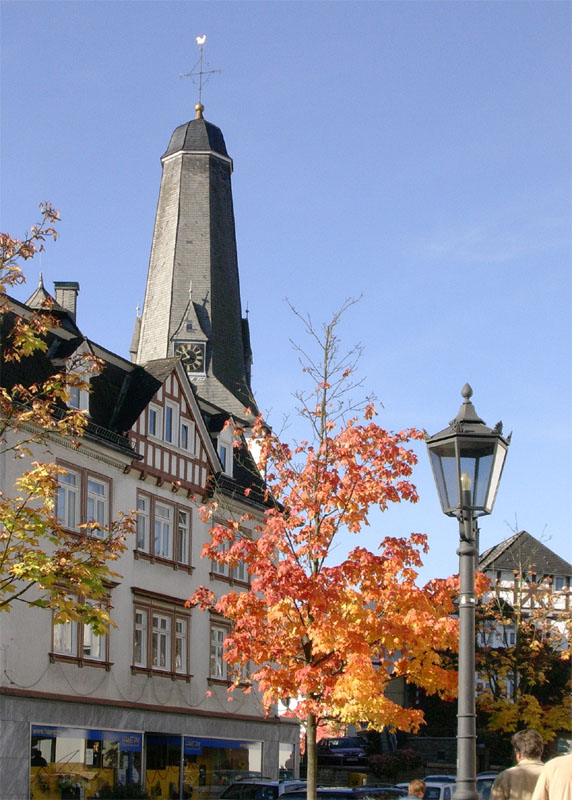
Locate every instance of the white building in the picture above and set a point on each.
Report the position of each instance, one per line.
(148, 702)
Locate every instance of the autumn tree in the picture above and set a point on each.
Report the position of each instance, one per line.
(42, 564)
(329, 636)
(524, 630)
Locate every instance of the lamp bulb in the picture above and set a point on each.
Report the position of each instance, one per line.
(465, 481)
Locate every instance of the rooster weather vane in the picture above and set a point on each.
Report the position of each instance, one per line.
(202, 74)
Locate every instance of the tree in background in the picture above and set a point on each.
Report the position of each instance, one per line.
(330, 637)
(41, 563)
(523, 655)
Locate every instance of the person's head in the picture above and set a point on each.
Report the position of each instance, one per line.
(528, 744)
(417, 787)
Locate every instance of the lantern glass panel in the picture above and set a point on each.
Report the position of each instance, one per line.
(495, 476)
(444, 463)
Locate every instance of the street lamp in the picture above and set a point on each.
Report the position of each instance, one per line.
(467, 460)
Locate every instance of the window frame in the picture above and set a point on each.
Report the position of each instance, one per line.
(171, 423)
(155, 430)
(78, 630)
(220, 627)
(82, 494)
(152, 553)
(150, 607)
(229, 672)
(221, 571)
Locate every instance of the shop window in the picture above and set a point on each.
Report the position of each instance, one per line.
(83, 497)
(214, 763)
(285, 761)
(70, 763)
(160, 639)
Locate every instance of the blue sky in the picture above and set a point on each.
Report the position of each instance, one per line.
(415, 153)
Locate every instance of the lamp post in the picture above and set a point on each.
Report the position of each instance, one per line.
(467, 460)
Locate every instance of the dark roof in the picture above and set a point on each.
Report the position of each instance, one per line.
(245, 477)
(198, 134)
(523, 552)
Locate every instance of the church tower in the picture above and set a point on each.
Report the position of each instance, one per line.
(192, 305)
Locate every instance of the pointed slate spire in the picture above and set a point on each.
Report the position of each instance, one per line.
(41, 298)
(192, 300)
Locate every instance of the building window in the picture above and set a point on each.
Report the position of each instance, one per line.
(183, 536)
(171, 527)
(187, 439)
(160, 638)
(140, 643)
(559, 583)
(181, 646)
(163, 528)
(68, 500)
(78, 399)
(97, 502)
(220, 569)
(143, 516)
(171, 423)
(161, 642)
(218, 664)
(83, 497)
(77, 641)
(154, 421)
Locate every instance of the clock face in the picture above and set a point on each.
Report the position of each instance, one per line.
(192, 354)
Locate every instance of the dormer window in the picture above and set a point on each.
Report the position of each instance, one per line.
(225, 456)
(78, 399)
(222, 456)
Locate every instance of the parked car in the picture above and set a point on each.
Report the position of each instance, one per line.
(485, 782)
(441, 778)
(439, 790)
(261, 789)
(342, 750)
(359, 793)
(436, 790)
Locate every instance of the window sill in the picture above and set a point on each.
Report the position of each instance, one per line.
(80, 662)
(215, 576)
(163, 673)
(168, 562)
(218, 682)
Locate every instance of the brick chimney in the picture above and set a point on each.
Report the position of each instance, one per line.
(66, 296)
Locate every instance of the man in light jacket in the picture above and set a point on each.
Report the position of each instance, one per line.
(555, 782)
(518, 782)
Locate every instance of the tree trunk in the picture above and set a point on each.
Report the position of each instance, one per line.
(311, 757)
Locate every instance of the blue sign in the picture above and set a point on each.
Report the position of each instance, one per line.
(194, 744)
(128, 742)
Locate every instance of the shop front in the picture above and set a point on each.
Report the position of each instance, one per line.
(69, 763)
(197, 767)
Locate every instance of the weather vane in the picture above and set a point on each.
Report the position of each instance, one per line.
(202, 74)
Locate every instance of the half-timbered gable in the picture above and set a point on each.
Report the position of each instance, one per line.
(169, 433)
